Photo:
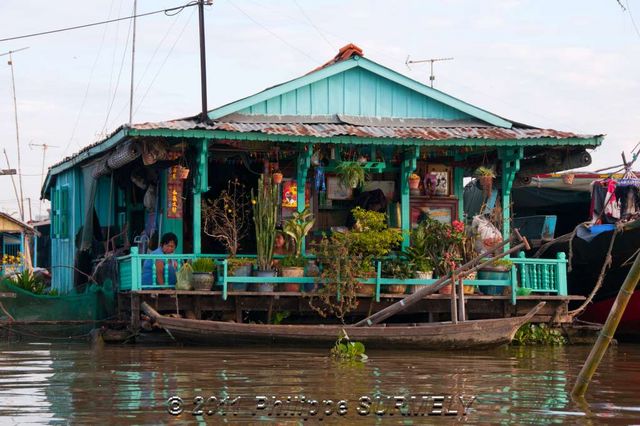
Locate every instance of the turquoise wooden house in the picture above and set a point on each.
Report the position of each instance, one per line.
(13, 240)
(349, 109)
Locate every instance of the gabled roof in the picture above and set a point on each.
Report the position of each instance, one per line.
(10, 224)
(350, 58)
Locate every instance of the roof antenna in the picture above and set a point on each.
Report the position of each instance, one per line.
(432, 77)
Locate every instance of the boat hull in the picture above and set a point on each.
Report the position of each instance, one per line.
(435, 336)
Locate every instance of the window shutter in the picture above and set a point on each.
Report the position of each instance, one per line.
(63, 212)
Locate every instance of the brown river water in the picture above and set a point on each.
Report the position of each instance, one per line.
(57, 383)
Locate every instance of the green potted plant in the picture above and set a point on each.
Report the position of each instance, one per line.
(400, 269)
(203, 278)
(226, 219)
(485, 176)
(499, 269)
(297, 227)
(351, 174)
(265, 214)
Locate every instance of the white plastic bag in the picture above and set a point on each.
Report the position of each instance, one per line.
(488, 235)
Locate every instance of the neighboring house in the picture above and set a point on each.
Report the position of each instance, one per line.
(13, 240)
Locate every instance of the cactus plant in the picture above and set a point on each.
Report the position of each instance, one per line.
(265, 214)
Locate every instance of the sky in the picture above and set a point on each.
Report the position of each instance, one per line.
(572, 65)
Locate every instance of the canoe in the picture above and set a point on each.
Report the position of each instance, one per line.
(435, 336)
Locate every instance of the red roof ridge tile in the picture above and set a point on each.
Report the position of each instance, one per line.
(346, 52)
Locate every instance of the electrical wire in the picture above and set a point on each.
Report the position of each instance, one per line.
(86, 92)
(313, 25)
(177, 10)
(633, 21)
(314, 60)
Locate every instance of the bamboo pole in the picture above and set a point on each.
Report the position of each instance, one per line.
(471, 266)
(607, 332)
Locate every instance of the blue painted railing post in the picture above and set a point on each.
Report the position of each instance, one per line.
(409, 164)
(378, 270)
(514, 283)
(561, 274)
(510, 165)
(135, 270)
(458, 185)
(303, 164)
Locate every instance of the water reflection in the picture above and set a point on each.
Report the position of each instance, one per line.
(131, 384)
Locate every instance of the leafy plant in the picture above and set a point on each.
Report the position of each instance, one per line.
(278, 317)
(233, 263)
(371, 238)
(265, 213)
(346, 350)
(504, 264)
(484, 171)
(397, 268)
(203, 264)
(28, 281)
(298, 226)
(292, 262)
(226, 218)
(538, 334)
(351, 174)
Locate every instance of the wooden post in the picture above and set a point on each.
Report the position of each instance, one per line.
(135, 312)
(454, 299)
(461, 307)
(607, 332)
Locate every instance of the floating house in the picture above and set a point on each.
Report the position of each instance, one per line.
(119, 194)
(13, 239)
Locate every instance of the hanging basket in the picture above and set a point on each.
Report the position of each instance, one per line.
(183, 172)
(414, 183)
(277, 178)
(568, 178)
(487, 184)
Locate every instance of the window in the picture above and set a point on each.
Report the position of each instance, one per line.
(60, 212)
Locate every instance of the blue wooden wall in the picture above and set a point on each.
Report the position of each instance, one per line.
(67, 216)
(356, 92)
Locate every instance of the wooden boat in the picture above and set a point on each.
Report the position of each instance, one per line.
(435, 336)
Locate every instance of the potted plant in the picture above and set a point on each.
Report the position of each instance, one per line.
(351, 174)
(277, 176)
(297, 227)
(397, 268)
(499, 269)
(226, 219)
(485, 176)
(414, 181)
(203, 268)
(265, 214)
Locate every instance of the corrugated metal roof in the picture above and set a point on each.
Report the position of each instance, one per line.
(325, 130)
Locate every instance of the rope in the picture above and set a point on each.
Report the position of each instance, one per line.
(605, 266)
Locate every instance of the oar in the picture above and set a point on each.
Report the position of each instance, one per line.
(442, 282)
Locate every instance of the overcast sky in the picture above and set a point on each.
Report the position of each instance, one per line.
(566, 65)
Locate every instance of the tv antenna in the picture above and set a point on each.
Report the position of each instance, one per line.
(15, 111)
(432, 77)
(44, 147)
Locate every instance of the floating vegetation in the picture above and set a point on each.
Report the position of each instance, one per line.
(346, 350)
(538, 334)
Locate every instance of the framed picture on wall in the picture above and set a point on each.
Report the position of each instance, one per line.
(443, 210)
(336, 191)
(440, 175)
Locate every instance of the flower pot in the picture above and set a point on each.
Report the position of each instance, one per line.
(183, 173)
(264, 287)
(470, 289)
(445, 290)
(488, 273)
(203, 281)
(414, 183)
(395, 288)
(311, 270)
(423, 276)
(568, 178)
(365, 289)
(291, 272)
(277, 178)
(241, 271)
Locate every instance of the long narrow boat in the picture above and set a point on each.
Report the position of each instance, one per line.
(444, 335)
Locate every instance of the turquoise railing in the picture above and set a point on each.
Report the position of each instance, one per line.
(540, 275)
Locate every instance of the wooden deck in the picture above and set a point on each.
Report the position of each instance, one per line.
(437, 307)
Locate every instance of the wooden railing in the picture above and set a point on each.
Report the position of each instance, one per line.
(540, 275)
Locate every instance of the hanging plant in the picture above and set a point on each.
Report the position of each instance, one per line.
(485, 176)
(352, 174)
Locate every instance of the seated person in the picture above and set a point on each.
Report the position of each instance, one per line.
(168, 244)
(281, 247)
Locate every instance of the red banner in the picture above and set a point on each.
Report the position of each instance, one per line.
(174, 194)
